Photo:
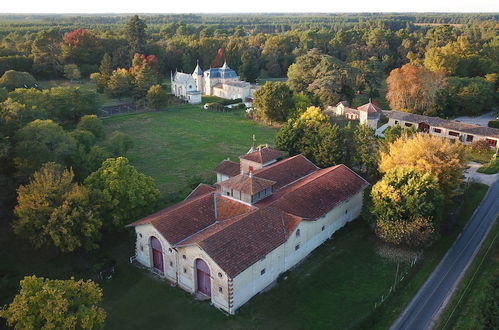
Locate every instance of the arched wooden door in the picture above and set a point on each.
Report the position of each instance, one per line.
(203, 276)
(157, 254)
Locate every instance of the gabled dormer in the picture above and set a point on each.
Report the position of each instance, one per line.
(256, 159)
(246, 188)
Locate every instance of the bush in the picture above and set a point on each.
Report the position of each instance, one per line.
(494, 123)
(480, 146)
(156, 97)
(92, 124)
(215, 106)
(15, 79)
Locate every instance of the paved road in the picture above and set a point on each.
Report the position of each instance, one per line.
(425, 307)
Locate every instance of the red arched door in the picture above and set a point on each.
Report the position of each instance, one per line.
(157, 254)
(203, 275)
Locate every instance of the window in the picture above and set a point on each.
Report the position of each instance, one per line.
(452, 133)
(262, 271)
(408, 124)
(141, 247)
(170, 250)
(220, 289)
(469, 138)
(346, 211)
(171, 264)
(437, 130)
(185, 270)
(220, 275)
(250, 169)
(323, 227)
(140, 235)
(297, 247)
(298, 233)
(232, 192)
(396, 122)
(228, 193)
(491, 142)
(184, 257)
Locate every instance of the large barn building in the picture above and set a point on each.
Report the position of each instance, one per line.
(230, 241)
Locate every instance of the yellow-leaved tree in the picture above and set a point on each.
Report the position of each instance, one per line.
(55, 304)
(438, 156)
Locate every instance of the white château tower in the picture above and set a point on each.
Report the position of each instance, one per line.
(198, 78)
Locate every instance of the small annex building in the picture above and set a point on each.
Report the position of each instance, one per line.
(230, 241)
(368, 113)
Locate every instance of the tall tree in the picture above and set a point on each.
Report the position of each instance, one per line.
(52, 211)
(366, 150)
(47, 53)
(55, 304)
(273, 100)
(414, 89)
(136, 34)
(435, 155)
(39, 142)
(407, 204)
(122, 194)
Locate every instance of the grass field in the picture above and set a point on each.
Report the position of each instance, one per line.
(174, 145)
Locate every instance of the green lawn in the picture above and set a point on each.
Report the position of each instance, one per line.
(465, 309)
(490, 168)
(174, 145)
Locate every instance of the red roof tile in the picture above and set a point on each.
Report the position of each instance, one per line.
(237, 245)
(369, 107)
(320, 192)
(287, 170)
(201, 189)
(190, 216)
(228, 167)
(263, 155)
(247, 184)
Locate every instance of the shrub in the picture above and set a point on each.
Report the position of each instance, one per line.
(156, 97)
(215, 106)
(494, 123)
(480, 146)
(15, 79)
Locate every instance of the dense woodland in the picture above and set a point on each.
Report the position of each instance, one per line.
(64, 184)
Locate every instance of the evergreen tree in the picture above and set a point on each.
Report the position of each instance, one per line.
(136, 35)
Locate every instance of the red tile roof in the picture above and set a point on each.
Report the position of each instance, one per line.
(319, 192)
(369, 107)
(201, 189)
(287, 170)
(190, 216)
(228, 167)
(237, 244)
(247, 184)
(263, 155)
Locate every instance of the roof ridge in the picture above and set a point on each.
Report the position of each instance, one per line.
(263, 169)
(171, 208)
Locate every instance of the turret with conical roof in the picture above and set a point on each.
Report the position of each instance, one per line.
(198, 77)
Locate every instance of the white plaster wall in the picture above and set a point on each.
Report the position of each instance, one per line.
(312, 234)
(143, 250)
(187, 275)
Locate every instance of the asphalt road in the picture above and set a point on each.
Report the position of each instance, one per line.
(432, 297)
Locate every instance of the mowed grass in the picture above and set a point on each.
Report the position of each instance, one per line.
(176, 144)
(334, 288)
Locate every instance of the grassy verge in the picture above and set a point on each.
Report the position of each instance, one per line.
(397, 302)
(479, 157)
(465, 309)
(490, 168)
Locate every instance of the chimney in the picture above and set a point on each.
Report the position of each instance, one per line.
(215, 204)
